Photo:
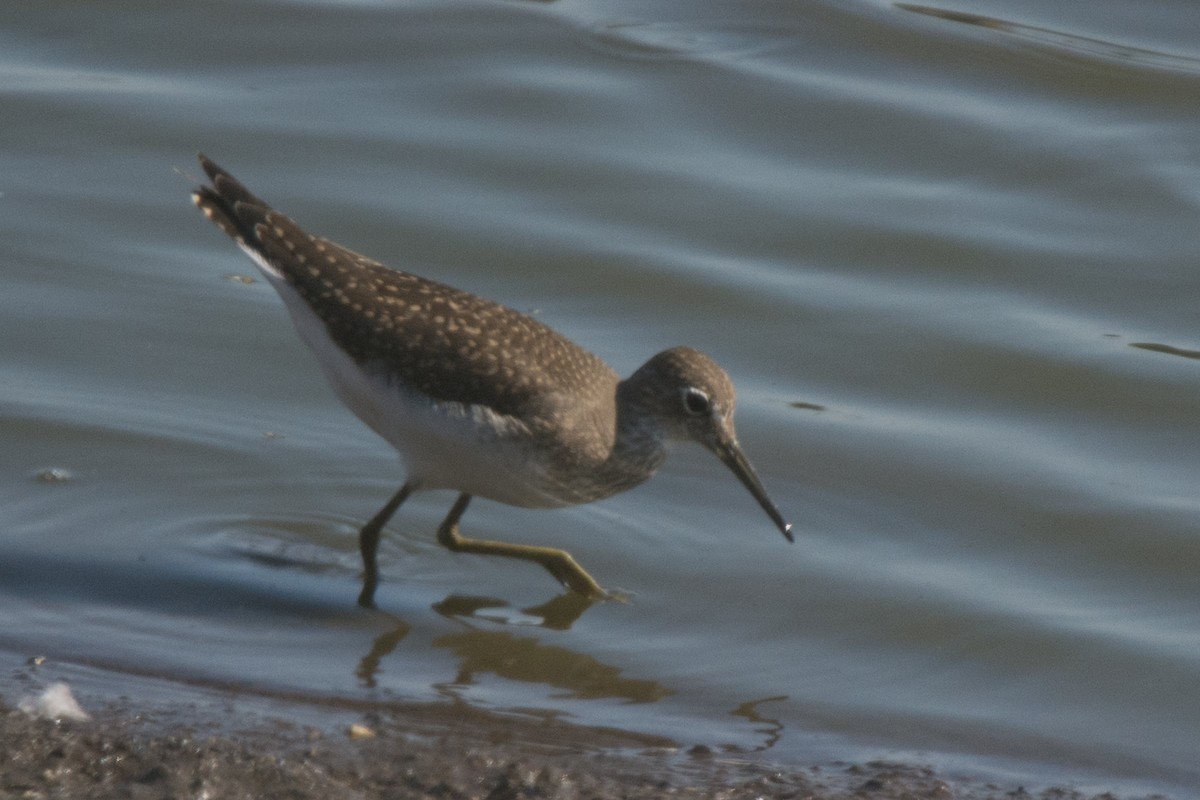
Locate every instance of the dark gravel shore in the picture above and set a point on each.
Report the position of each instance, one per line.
(447, 752)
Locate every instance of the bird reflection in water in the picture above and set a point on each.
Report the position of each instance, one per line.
(525, 659)
(518, 658)
(770, 727)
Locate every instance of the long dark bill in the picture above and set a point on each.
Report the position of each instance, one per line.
(732, 456)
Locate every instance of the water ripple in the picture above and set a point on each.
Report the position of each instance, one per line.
(1062, 40)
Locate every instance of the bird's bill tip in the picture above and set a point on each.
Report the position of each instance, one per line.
(737, 462)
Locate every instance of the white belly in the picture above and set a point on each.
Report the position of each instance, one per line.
(444, 445)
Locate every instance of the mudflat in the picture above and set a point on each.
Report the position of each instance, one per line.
(447, 751)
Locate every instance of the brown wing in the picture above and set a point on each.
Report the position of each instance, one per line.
(447, 343)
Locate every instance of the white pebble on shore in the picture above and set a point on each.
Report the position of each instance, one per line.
(55, 702)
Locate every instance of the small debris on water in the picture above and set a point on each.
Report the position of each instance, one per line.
(53, 475)
(807, 406)
(243, 279)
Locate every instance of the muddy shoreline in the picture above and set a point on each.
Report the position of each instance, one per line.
(443, 751)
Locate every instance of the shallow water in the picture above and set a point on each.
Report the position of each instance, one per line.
(948, 258)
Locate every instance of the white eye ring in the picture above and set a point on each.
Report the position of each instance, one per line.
(695, 402)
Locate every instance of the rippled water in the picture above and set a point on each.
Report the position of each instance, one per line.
(947, 254)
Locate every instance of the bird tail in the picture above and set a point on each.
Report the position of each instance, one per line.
(231, 206)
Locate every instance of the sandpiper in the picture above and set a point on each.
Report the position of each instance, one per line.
(475, 396)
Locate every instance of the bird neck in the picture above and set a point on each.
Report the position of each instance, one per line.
(641, 440)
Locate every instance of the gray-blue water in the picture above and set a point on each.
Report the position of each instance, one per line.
(948, 254)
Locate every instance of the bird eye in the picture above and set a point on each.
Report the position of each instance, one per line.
(696, 402)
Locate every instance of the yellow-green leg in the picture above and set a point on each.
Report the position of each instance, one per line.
(558, 563)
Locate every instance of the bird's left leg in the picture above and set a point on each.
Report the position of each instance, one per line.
(558, 563)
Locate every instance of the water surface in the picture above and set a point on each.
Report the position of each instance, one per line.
(946, 252)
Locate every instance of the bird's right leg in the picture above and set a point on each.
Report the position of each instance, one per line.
(368, 543)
